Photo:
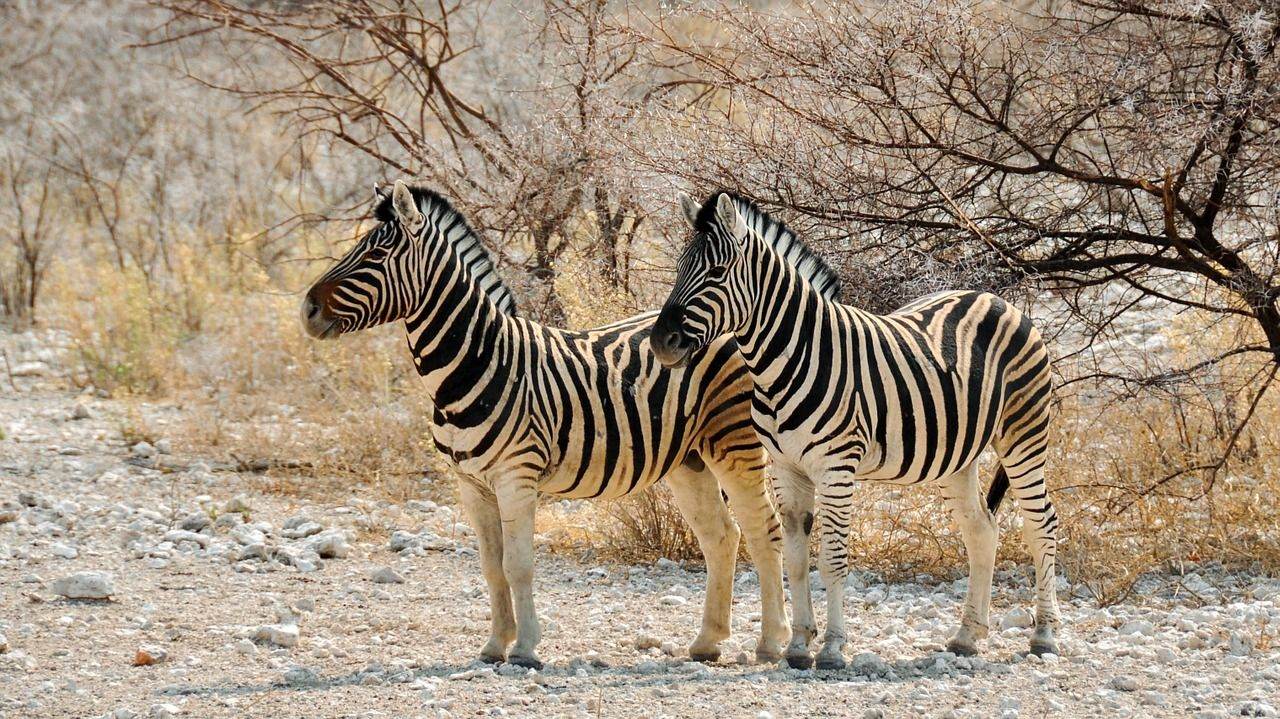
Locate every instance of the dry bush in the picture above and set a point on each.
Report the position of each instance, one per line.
(646, 526)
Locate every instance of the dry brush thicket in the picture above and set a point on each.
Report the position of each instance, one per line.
(1112, 165)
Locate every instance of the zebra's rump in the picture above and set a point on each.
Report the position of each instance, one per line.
(916, 394)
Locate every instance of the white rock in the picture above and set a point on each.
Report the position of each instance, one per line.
(85, 585)
(194, 522)
(299, 531)
(869, 664)
(1240, 645)
(143, 449)
(280, 635)
(1017, 618)
(182, 535)
(674, 600)
(237, 505)
(1124, 683)
(246, 647)
(329, 544)
(80, 411)
(1137, 626)
(164, 711)
(1255, 708)
(247, 534)
(301, 677)
(402, 540)
(386, 575)
(62, 550)
(645, 642)
(164, 446)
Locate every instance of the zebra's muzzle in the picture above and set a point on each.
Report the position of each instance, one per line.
(671, 347)
(316, 320)
(667, 339)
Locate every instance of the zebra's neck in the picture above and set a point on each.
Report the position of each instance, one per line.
(456, 331)
(781, 306)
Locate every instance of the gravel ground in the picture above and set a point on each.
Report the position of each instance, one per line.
(225, 602)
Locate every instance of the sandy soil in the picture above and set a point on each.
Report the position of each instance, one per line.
(248, 567)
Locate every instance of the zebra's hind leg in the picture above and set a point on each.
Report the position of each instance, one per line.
(744, 480)
(1040, 531)
(978, 529)
(795, 503)
(517, 501)
(482, 509)
(835, 511)
(697, 496)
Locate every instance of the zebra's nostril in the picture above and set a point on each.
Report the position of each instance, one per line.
(313, 309)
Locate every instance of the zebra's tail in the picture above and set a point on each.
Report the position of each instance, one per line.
(999, 486)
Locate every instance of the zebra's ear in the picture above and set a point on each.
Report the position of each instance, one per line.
(728, 217)
(406, 208)
(379, 193)
(690, 208)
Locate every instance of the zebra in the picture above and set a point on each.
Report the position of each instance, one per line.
(522, 409)
(844, 395)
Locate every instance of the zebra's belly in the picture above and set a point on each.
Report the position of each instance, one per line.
(855, 452)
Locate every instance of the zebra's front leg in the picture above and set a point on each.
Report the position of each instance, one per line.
(978, 529)
(835, 511)
(697, 496)
(517, 500)
(795, 503)
(745, 482)
(482, 508)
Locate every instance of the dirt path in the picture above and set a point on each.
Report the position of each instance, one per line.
(74, 497)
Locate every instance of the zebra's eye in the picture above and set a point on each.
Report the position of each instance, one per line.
(376, 254)
(717, 273)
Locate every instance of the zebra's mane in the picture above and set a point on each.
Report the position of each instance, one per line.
(783, 241)
(465, 242)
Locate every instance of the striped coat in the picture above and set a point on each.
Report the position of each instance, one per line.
(523, 409)
(844, 395)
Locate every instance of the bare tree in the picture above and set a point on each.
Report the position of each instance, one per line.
(396, 80)
(28, 230)
(1110, 141)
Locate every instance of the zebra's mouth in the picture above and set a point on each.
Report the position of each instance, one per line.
(329, 331)
(317, 322)
(672, 357)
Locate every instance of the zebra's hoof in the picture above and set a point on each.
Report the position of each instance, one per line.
(492, 658)
(529, 662)
(705, 656)
(962, 648)
(800, 661)
(831, 662)
(1041, 647)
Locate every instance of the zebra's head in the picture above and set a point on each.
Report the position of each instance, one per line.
(710, 296)
(360, 290)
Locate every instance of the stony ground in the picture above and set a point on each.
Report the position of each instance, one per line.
(228, 602)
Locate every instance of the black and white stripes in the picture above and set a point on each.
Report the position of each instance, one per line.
(844, 395)
(521, 408)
